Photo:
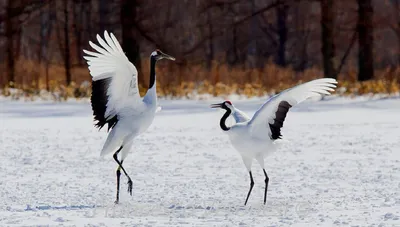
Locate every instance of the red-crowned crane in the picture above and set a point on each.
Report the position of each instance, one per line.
(116, 100)
(255, 138)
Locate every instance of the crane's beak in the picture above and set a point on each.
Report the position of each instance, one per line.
(166, 56)
(218, 105)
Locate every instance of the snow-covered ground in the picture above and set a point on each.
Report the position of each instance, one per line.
(339, 166)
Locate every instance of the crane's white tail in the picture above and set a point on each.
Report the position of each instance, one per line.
(112, 143)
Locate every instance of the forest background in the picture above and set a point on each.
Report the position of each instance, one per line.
(222, 47)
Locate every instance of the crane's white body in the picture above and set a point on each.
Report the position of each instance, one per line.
(116, 100)
(135, 114)
(131, 123)
(248, 146)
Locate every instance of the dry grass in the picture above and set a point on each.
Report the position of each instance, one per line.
(185, 80)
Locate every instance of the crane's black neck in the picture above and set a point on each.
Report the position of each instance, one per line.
(223, 119)
(153, 62)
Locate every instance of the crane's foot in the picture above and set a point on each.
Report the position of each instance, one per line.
(130, 185)
(116, 201)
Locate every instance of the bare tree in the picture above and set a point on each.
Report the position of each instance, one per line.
(328, 43)
(210, 46)
(365, 40)
(104, 15)
(282, 31)
(66, 48)
(79, 23)
(10, 27)
(395, 24)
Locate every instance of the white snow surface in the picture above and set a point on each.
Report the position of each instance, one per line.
(339, 165)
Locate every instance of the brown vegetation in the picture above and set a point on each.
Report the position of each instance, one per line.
(192, 81)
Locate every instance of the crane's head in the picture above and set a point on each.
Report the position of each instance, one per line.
(158, 55)
(223, 105)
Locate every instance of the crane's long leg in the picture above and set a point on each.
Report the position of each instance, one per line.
(118, 180)
(251, 187)
(266, 186)
(115, 156)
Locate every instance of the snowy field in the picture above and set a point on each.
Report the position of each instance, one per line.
(339, 166)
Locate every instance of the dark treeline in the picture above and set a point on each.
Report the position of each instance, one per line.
(333, 35)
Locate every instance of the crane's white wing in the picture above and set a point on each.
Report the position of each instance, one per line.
(115, 85)
(240, 116)
(268, 120)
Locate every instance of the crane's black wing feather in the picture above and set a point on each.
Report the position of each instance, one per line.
(280, 115)
(99, 101)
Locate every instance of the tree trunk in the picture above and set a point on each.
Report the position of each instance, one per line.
(210, 46)
(104, 15)
(78, 24)
(328, 45)
(67, 51)
(397, 30)
(88, 22)
(10, 46)
(130, 43)
(52, 18)
(232, 52)
(46, 18)
(41, 48)
(235, 45)
(304, 54)
(365, 40)
(252, 49)
(281, 20)
(398, 47)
